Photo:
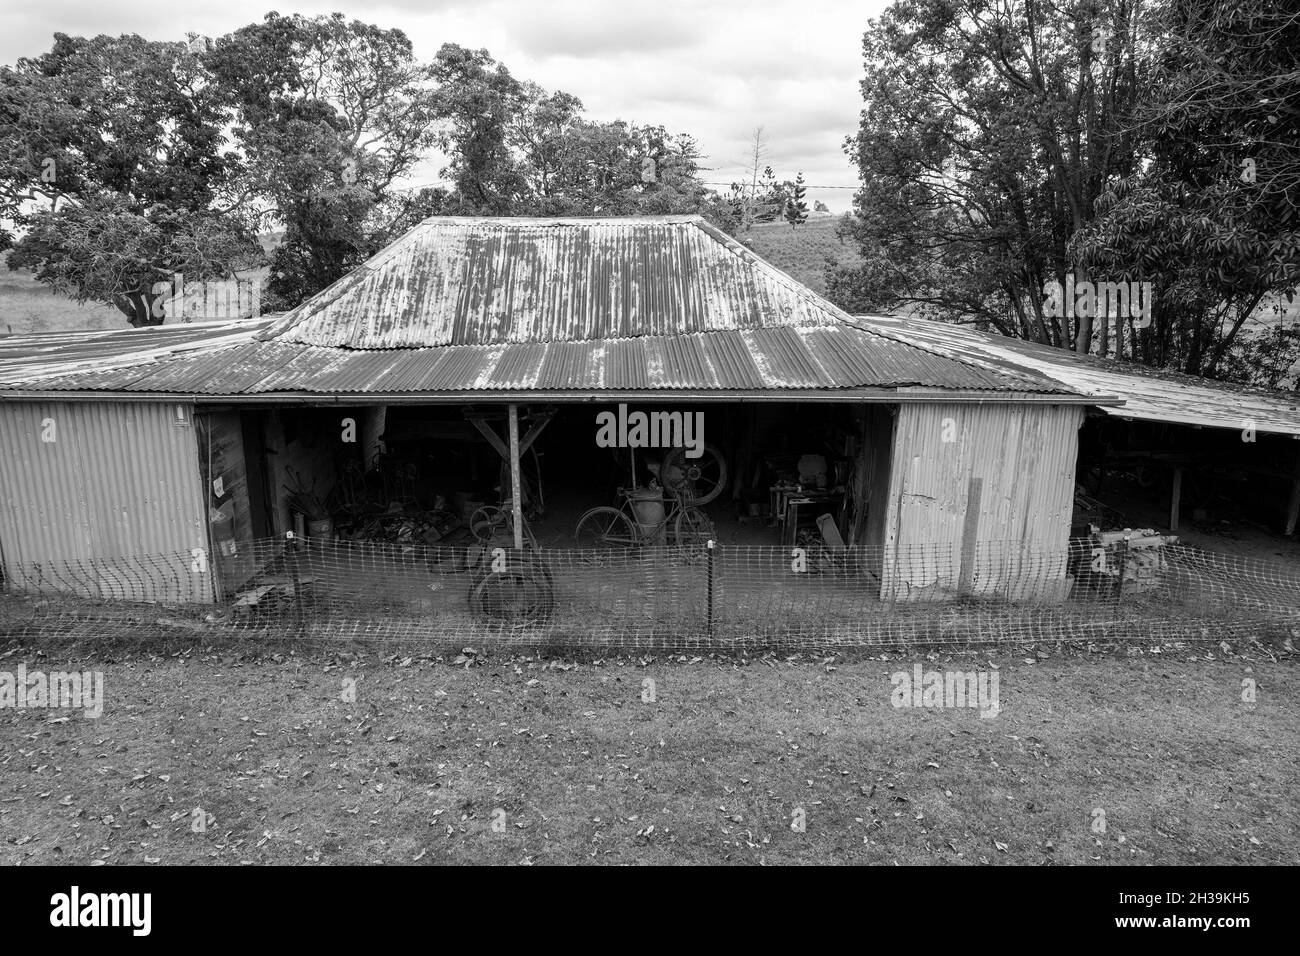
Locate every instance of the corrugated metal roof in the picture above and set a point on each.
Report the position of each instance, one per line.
(40, 353)
(1149, 394)
(458, 281)
(785, 358)
(500, 306)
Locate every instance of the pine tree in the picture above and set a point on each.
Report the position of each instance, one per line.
(796, 209)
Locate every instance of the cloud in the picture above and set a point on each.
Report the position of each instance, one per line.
(712, 68)
(585, 29)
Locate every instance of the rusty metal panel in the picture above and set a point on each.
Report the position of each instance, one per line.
(786, 361)
(732, 361)
(104, 498)
(311, 369)
(499, 305)
(1148, 394)
(517, 367)
(124, 351)
(625, 364)
(484, 281)
(1025, 459)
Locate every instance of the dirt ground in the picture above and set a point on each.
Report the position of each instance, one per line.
(310, 755)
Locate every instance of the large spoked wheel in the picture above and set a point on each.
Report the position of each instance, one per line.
(605, 528)
(487, 522)
(696, 481)
(692, 529)
(523, 593)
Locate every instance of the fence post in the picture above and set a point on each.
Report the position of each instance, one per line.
(709, 584)
(1123, 565)
(295, 578)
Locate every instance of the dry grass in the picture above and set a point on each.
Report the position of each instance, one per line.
(711, 771)
(27, 306)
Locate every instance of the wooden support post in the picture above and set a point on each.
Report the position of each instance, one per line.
(1293, 506)
(1175, 498)
(516, 496)
(969, 536)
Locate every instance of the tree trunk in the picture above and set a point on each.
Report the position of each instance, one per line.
(139, 308)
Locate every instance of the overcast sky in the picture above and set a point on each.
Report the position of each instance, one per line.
(713, 68)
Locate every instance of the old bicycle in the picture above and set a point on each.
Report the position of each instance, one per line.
(642, 519)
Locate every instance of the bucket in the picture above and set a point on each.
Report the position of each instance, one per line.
(648, 506)
(320, 528)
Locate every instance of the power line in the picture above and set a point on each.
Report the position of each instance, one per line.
(703, 182)
(805, 185)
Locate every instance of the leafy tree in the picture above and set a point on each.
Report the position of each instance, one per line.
(988, 132)
(517, 149)
(123, 161)
(1210, 215)
(477, 103)
(330, 114)
(1004, 146)
(114, 175)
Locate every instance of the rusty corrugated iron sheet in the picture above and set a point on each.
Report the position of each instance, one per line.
(499, 306)
(1025, 460)
(454, 281)
(102, 486)
(759, 359)
(40, 353)
(1148, 394)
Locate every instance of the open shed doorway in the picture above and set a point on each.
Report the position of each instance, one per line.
(766, 471)
(763, 473)
(1221, 489)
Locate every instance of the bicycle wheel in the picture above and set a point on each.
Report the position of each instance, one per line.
(606, 528)
(522, 594)
(692, 528)
(487, 521)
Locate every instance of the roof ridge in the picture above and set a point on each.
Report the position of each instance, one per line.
(742, 251)
(336, 289)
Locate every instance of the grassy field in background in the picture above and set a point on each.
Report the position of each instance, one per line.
(801, 251)
(573, 765)
(28, 306)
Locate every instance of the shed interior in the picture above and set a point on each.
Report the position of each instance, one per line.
(439, 474)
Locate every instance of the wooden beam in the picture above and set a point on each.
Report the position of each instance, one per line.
(480, 421)
(1175, 499)
(516, 498)
(493, 438)
(540, 422)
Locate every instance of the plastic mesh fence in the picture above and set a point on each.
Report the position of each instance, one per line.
(663, 597)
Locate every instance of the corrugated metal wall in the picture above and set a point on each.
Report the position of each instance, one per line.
(103, 499)
(1023, 458)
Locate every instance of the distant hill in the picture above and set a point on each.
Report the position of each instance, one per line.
(801, 251)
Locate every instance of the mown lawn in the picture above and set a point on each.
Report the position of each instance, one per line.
(512, 759)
